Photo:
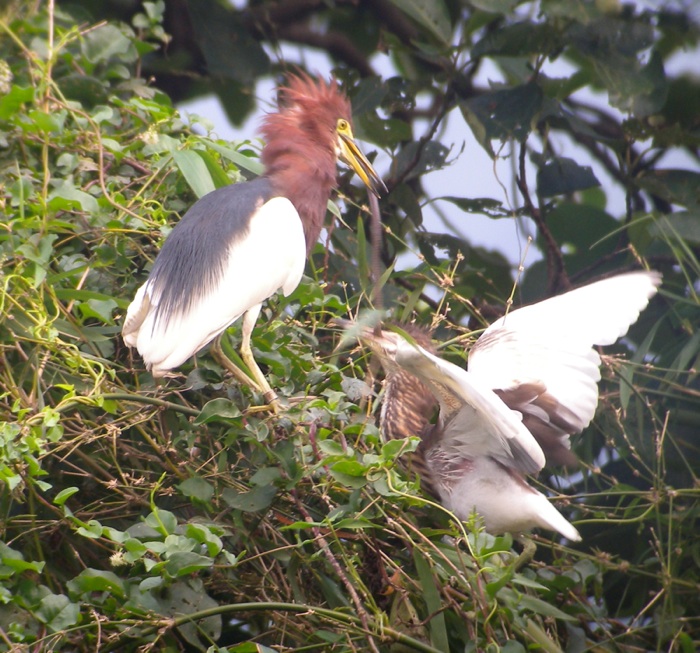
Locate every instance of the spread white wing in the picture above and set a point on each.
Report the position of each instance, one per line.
(473, 420)
(550, 344)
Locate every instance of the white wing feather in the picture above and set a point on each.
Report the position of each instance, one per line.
(552, 341)
(492, 429)
(271, 257)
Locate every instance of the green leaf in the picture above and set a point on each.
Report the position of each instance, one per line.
(563, 176)
(105, 42)
(369, 94)
(197, 488)
(135, 549)
(392, 448)
(218, 410)
(333, 448)
(354, 480)
(64, 495)
(503, 114)
(57, 612)
(585, 230)
(438, 630)
(429, 14)
(416, 159)
(38, 249)
(88, 90)
(583, 12)
(387, 132)
(229, 49)
(405, 198)
(258, 498)
(8, 553)
(183, 563)
(112, 145)
(607, 37)
(355, 389)
(641, 92)
(218, 176)
(613, 45)
(162, 521)
(354, 524)
(349, 468)
(188, 596)
(248, 647)
(195, 172)
(13, 101)
(96, 580)
(101, 309)
(91, 530)
(300, 526)
(266, 476)
(241, 160)
(541, 638)
(689, 352)
(675, 186)
(19, 565)
(151, 583)
(495, 6)
(683, 226)
(200, 533)
(518, 40)
(65, 196)
(524, 581)
(45, 122)
(481, 205)
(538, 606)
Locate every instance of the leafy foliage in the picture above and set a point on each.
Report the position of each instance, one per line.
(178, 516)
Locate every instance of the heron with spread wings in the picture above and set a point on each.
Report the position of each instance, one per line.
(532, 381)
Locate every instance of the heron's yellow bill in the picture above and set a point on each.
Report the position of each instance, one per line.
(349, 153)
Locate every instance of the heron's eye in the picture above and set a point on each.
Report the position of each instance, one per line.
(343, 126)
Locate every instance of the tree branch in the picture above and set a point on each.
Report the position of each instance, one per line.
(556, 274)
(335, 43)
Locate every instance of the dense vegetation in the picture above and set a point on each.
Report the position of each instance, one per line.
(178, 516)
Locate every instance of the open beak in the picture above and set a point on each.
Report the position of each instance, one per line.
(350, 154)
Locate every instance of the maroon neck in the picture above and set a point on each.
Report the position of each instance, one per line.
(307, 180)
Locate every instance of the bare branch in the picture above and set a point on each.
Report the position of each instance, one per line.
(556, 274)
(336, 44)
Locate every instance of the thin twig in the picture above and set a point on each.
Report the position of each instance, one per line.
(442, 111)
(376, 254)
(325, 547)
(556, 273)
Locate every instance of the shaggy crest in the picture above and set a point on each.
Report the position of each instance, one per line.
(312, 105)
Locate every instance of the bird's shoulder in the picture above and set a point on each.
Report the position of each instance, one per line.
(226, 210)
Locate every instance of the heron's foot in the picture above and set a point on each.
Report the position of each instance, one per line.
(231, 367)
(274, 407)
(272, 400)
(258, 382)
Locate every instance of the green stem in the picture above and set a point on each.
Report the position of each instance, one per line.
(126, 396)
(298, 608)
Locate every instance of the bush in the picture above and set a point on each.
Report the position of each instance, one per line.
(178, 516)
